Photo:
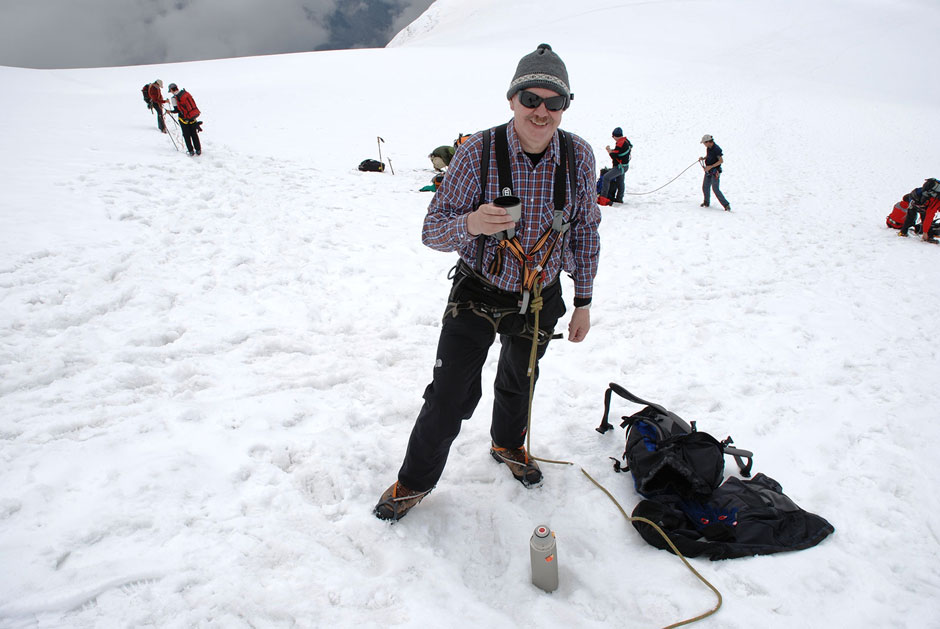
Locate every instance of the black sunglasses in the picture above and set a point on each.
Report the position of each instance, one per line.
(552, 103)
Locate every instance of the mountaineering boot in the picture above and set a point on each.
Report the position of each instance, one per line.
(524, 469)
(728, 208)
(903, 233)
(931, 239)
(397, 501)
(704, 205)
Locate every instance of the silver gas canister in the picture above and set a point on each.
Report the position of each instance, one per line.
(544, 557)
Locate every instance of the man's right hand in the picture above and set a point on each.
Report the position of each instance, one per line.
(488, 219)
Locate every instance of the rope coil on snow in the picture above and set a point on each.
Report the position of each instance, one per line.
(536, 307)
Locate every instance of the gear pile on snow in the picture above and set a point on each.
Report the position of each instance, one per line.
(679, 471)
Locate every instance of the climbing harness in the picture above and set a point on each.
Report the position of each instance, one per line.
(698, 161)
(532, 263)
(494, 314)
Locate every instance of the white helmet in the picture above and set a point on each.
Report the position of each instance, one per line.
(707, 138)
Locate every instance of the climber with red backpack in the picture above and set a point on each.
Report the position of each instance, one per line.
(185, 107)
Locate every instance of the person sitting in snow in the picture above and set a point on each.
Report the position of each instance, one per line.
(923, 202)
(441, 156)
(612, 182)
(157, 101)
(185, 107)
(496, 289)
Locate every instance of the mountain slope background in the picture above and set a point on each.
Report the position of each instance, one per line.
(209, 367)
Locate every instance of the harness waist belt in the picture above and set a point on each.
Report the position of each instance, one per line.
(465, 269)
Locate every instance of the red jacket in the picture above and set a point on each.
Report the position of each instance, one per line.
(155, 96)
(186, 105)
(896, 218)
(933, 207)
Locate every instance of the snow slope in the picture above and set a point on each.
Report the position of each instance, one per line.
(209, 367)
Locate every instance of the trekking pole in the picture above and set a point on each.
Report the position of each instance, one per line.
(379, 141)
(170, 133)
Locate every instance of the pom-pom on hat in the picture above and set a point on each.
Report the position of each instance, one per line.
(542, 68)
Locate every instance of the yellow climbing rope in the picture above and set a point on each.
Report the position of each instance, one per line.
(535, 306)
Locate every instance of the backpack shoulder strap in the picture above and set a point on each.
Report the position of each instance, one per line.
(502, 160)
(484, 177)
(567, 165)
(484, 166)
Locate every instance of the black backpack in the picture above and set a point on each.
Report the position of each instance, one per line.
(146, 92)
(679, 471)
(372, 166)
(667, 455)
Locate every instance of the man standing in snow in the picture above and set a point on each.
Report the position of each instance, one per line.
(157, 100)
(185, 106)
(502, 280)
(712, 164)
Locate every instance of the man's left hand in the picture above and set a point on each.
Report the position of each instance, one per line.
(579, 325)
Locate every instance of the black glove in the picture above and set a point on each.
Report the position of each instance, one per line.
(176, 110)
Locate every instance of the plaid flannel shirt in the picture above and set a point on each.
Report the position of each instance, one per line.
(445, 226)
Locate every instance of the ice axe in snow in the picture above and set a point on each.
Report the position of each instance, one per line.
(380, 141)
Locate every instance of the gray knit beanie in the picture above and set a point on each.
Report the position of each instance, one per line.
(542, 68)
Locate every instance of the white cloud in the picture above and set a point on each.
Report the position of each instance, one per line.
(65, 33)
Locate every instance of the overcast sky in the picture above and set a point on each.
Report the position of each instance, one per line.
(92, 33)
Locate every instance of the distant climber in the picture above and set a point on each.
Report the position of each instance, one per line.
(185, 107)
(921, 203)
(612, 183)
(712, 164)
(157, 101)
